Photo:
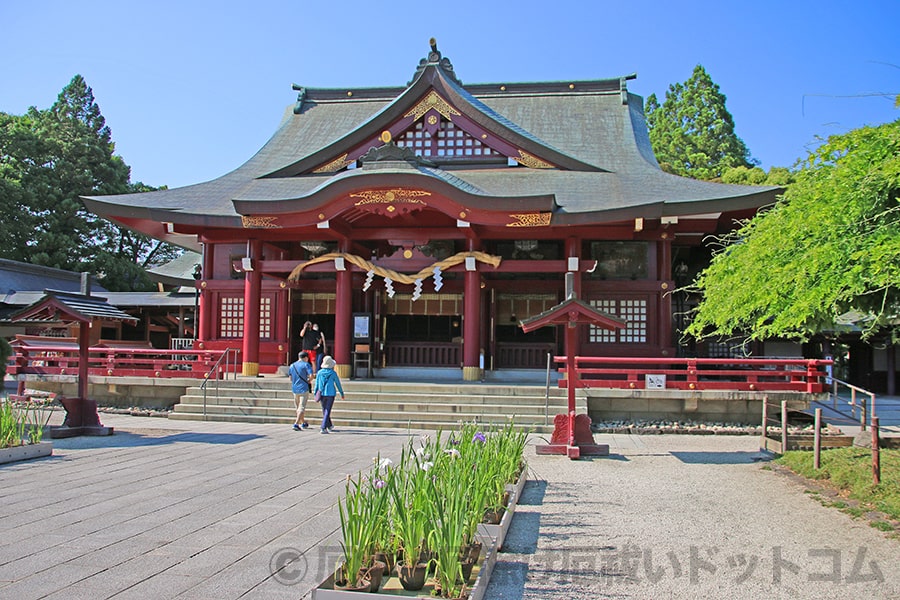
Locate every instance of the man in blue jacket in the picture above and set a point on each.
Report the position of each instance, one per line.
(301, 375)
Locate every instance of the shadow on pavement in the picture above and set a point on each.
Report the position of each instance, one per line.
(125, 439)
(717, 458)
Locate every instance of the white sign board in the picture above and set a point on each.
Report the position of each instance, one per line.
(655, 381)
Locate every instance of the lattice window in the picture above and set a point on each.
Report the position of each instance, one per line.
(447, 141)
(727, 349)
(231, 317)
(632, 311)
(265, 318)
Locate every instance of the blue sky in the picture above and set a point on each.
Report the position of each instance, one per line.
(193, 89)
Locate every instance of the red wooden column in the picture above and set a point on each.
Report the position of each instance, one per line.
(572, 341)
(664, 274)
(252, 284)
(343, 316)
(207, 310)
(472, 323)
(573, 250)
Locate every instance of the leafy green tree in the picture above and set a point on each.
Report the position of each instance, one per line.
(692, 132)
(80, 160)
(48, 159)
(18, 148)
(829, 247)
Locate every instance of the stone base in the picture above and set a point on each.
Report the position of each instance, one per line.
(56, 433)
(26, 452)
(471, 374)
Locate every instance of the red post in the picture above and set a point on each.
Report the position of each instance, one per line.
(472, 327)
(571, 331)
(812, 376)
(252, 285)
(343, 315)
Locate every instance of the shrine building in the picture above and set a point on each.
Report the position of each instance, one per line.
(419, 225)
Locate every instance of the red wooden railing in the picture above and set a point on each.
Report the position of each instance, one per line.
(63, 359)
(747, 374)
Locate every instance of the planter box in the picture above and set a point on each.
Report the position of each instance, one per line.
(26, 452)
(491, 536)
(392, 590)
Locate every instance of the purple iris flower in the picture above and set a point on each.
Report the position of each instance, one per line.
(479, 437)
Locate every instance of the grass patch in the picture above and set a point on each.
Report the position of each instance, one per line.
(850, 470)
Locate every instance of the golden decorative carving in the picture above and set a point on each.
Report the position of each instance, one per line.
(257, 222)
(386, 136)
(334, 166)
(432, 120)
(395, 195)
(541, 219)
(462, 215)
(321, 216)
(532, 161)
(432, 100)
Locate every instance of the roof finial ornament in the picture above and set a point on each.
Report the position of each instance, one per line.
(437, 60)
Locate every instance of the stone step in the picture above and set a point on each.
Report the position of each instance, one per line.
(372, 412)
(406, 388)
(414, 404)
(382, 403)
(340, 422)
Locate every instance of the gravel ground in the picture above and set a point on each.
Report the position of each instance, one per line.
(680, 516)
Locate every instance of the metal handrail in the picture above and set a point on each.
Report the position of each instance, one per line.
(864, 413)
(215, 369)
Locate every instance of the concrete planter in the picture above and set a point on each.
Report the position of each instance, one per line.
(491, 537)
(26, 452)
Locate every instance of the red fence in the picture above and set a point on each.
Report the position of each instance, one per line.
(747, 374)
(63, 359)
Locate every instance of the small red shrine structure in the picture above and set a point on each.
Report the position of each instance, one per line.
(572, 434)
(67, 307)
(441, 214)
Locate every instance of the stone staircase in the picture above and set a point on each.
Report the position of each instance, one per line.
(374, 403)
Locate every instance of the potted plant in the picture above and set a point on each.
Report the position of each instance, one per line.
(362, 509)
(410, 518)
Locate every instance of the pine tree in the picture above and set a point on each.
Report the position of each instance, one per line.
(692, 132)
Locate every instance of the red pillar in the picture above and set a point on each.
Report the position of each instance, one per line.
(343, 316)
(573, 250)
(472, 327)
(207, 310)
(664, 314)
(252, 284)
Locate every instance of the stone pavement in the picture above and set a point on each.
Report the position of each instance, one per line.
(202, 510)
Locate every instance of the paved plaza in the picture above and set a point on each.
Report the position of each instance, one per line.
(202, 510)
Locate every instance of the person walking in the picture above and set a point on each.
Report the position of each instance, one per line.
(328, 384)
(313, 342)
(301, 378)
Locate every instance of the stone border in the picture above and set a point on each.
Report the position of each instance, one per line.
(25, 452)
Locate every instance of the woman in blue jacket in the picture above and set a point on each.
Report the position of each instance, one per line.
(329, 384)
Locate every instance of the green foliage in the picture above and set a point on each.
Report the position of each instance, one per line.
(692, 132)
(48, 159)
(831, 245)
(20, 423)
(850, 469)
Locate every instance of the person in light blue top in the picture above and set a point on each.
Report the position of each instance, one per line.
(329, 384)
